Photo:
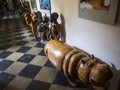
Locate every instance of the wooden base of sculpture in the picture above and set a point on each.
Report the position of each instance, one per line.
(76, 64)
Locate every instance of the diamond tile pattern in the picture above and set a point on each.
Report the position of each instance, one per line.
(23, 64)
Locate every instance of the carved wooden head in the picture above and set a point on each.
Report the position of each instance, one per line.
(54, 17)
(100, 74)
(84, 69)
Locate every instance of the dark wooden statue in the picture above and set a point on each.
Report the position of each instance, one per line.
(43, 29)
(37, 17)
(78, 65)
(55, 27)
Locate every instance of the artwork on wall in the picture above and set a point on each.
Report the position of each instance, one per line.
(45, 4)
(98, 10)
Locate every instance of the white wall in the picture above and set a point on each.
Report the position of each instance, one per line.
(30, 5)
(96, 38)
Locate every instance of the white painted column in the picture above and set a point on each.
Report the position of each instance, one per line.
(38, 5)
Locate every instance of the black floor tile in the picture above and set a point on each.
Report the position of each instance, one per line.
(5, 78)
(20, 38)
(4, 64)
(38, 85)
(26, 58)
(22, 43)
(49, 64)
(30, 71)
(23, 49)
(42, 53)
(40, 45)
(60, 79)
(5, 54)
(36, 39)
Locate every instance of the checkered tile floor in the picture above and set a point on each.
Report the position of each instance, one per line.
(23, 64)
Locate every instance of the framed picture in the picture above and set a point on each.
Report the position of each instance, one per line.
(45, 4)
(98, 10)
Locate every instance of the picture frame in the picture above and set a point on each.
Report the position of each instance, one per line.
(97, 10)
(44, 4)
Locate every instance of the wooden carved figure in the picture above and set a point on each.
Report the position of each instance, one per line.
(43, 28)
(37, 17)
(55, 27)
(32, 24)
(78, 65)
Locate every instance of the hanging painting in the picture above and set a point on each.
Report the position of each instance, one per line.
(98, 10)
(45, 4)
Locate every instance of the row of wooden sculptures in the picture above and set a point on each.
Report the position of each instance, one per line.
(43, 26)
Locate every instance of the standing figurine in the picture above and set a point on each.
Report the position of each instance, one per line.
(43, 29)
(55, 27)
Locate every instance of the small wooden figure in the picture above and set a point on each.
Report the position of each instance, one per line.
(55, 27)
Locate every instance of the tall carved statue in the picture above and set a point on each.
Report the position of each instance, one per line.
(43, 28)
(55, 26)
